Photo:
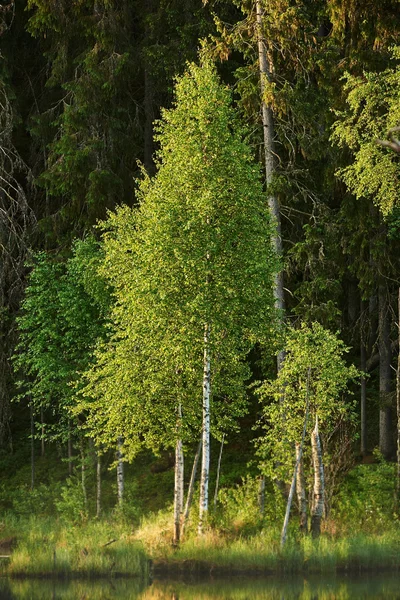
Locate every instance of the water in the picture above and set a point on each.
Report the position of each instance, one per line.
(385, 587)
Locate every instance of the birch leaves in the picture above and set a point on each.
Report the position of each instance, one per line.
(195, 256)
(314, 375)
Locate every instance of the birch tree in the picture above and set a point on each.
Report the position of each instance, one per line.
(192, 270)
(315, 379)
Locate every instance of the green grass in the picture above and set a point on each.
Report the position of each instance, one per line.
(46, 547)
(261, 553)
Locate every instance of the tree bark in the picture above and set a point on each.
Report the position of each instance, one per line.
(178, 491)
(205, 461)
(42, 429)
(98, 485)
(83, 474)
(120, 473)
(269, 161)
(301, 491)
(191, 487)
(148, 122)
(69, 449)
(299, 453)
(398, 404)
(218, 471)
(385, 441)
(363, 367)
(317, 509)
(261, 495)
(32, 447)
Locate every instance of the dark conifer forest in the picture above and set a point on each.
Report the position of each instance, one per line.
(199, 274)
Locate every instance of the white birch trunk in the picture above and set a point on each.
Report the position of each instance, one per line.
(191, 487)
(218, 471)
(98, 485)
(301, 491)
(299, 453)
(269, 158)
(205, 462)
(120, 473)
(317, 509)
(178, 491)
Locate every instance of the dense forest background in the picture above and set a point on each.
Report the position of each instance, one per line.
(81, 86)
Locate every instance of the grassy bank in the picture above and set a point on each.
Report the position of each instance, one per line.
(39, 547)
(261, 554)
(221, 552)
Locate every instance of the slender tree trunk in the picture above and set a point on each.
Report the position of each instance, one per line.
(32, 447)
(269, 160)
(42, 429)
(301, 491)
(69, 450)
(398, 403)
(83, 473)
(98, 485)
(120, 473)
(261, 495)
(191, 487)
(148, 121)
(317, 509)
(205, 460)
(363, 367)
(299, 453)
(385, 442)
(178, 489)
(218, 471)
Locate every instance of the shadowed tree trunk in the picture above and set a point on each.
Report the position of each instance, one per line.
(32, 446)
(191, 486)
(301, 491)
(385, 432)
(83, 473)
(265, 69)
(218, 471)
(261, 494)
(398, 403)
(363, 367)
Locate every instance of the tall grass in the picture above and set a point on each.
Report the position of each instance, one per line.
(46, 547)
(262, 553)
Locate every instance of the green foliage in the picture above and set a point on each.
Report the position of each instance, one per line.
(71, 506)
(365, 500)
(197, 252)
(373, 108)
(63, 314)
(314, 368)
(238, 509)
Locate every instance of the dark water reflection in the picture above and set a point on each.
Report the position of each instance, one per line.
(385, 587)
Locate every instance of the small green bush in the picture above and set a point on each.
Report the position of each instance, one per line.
(71, 506)
(365, 501)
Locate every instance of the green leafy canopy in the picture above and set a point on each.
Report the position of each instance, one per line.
(197, 251)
